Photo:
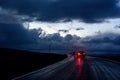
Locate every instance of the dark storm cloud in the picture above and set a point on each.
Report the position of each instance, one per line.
(90, 11)
(103, 38)
(79, 29)
(117, 26)
(16, 34)
(63, 30)
(59, 44)
(7, 16)
(104, 43)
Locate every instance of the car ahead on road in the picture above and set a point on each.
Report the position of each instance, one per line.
(80, 54)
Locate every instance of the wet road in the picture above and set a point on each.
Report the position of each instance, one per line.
(90, 68)
(104, 69)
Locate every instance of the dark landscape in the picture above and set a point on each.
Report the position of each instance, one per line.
(14, 63)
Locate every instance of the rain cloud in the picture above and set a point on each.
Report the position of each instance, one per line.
(89, 11)
(17, 36)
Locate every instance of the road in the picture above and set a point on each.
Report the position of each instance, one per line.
(90, 68)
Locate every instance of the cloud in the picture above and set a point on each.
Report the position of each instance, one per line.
(79, 29)
(101, 44)
(17, 36)
(104, 43)
(7, 17)
(59, 44)
(63, 30)
(93, 11)
(117, 27)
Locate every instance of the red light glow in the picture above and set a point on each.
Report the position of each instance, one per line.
(79, 54)
(78, 61)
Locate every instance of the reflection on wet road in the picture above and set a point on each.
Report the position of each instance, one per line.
(68, 69)
(90, 68)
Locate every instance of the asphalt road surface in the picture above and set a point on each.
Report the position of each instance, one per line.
(90, 68)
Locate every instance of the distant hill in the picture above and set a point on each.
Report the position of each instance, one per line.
(14, 63)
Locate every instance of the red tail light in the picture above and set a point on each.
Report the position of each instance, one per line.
(79, 54)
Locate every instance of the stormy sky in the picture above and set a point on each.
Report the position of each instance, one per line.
(61, 26)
